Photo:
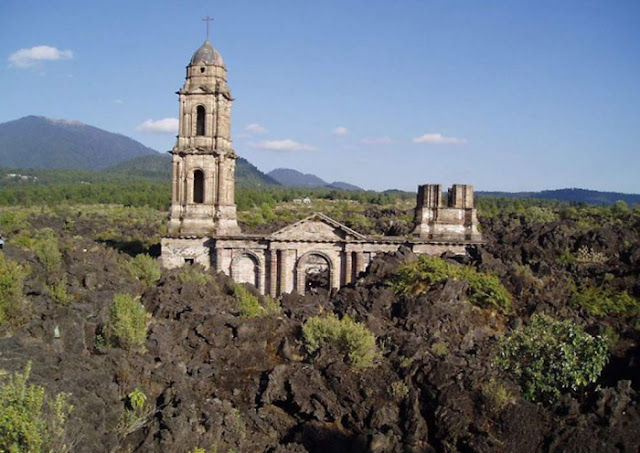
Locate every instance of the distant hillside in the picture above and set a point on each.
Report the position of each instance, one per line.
(571, 195)
(247, 175)
(158, 167)
(40, 142)
(290, 177)
(293, 178)
(343, 186)
(153, 167)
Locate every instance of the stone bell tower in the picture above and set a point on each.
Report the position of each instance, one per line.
(203, 173)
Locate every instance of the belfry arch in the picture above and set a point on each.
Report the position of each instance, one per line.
(198, 186)
(201, 115)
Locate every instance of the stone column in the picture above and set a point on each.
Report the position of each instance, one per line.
(272, 264)
(262, 275)
(283, 273)
(219, 260)
(360, 264)
(174, 181)
(221, 179)
(335, 273)
(348, 267)
(188, 195)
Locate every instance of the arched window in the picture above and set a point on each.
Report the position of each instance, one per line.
(200, 114)
(198, 186)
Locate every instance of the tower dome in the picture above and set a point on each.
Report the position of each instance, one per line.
(208, 55)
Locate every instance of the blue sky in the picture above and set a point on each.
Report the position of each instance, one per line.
(503, 95)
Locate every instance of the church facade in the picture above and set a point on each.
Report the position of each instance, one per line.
(203, 227)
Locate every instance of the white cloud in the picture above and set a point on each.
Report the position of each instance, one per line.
(254, 128)
(439, 139)
(340, 130)
(26, 58)
(377, 141)
(164, 126)
(283, 145)
(118, 101)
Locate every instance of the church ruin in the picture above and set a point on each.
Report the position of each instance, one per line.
(203, 226)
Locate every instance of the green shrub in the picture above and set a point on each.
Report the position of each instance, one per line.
(30, 421)
(135, 415)
(418, 276)
(191, 274)
(271, 306)
(137, 398)
(353, 339)
(440, 349)
(600, 302)
(12, 221)
(485, 290)
(58, 292)
(247, 303)
(549, 357)
(495, 395)
(398, 390)
(127, 322)
(144, 268)
(539, 214)
(47, 250)
(12, 304)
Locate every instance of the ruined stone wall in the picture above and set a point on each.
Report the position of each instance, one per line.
(457, 221)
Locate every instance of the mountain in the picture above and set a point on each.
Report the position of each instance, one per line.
(290, 177)
(158, 167)
(247, 175)
(40, 142)
(153, 166)
(571, 195)
(294, 178)
(343, 186)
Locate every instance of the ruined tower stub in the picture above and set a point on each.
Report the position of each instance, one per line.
(455, 221)
(203, 173)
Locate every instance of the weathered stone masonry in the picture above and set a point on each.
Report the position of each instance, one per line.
(202, 222)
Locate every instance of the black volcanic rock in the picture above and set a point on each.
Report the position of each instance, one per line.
(40, 142)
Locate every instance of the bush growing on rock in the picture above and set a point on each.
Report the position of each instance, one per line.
(549, 357)
(485, 290)
(351, 338)
(191, 274)
(598, 301)
(12, 304)
(144, 268)
(58, 292)
(495, 396)
(47, 250)
(127, 322)
(30, 421)
(249, 304)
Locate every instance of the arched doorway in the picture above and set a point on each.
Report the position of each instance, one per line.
(313, 273)
(200, 116)
(245, 268)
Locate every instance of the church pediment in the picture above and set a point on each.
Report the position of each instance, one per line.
(317, 227)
